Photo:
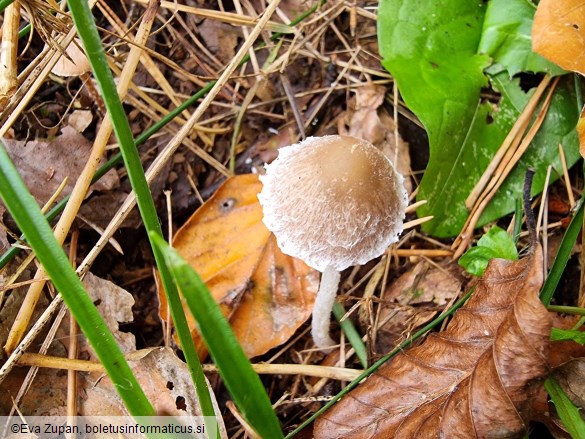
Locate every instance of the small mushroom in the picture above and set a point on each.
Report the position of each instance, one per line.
(333, 202)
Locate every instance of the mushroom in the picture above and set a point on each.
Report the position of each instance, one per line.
(333, 202)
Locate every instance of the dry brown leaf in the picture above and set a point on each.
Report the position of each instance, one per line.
(165, 379)
(265, 294)
(73, 62)
(220, 38)
(571, 377)
(115, 305)
(558, 33)
(474, 379)
(424, 283)
(44, 165)
(80, 120)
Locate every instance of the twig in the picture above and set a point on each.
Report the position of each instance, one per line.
(335, 373)
(9, 52)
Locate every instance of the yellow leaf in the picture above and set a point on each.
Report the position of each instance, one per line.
(558, 33)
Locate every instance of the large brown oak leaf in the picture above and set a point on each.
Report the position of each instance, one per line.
(475, 379)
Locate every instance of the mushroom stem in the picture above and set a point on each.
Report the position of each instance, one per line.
(323, 307)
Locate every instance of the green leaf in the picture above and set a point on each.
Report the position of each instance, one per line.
(567, 334)
(234, 367)
(494, 244)
(558, 128)
(506, 37)
(563, 255)
(567, 411)
(432, 50)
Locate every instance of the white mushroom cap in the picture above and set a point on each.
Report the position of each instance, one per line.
(333, 201)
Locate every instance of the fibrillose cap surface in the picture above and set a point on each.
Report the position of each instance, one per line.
(333, 201)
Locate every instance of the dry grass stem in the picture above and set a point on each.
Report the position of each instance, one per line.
(334, 373)
(566, 177)
(176, 141)
(543, 202)
(412, 207)
(513, 136)
(225, 17)
(420, 252)
(31, 374)
(503, 170)
(9, 52)
(416, 222)
(81, 186)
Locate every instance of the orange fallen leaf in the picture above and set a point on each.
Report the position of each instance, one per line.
(265, 294)
(476, 378)
(558, 33)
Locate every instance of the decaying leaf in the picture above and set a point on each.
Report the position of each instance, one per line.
(474, 379)
(399, 316)
(571, 377)
(265, 294)
(44, 165)
(115, 305)
(424, 283)
(73, 62)
(164, 378)
(558, 33)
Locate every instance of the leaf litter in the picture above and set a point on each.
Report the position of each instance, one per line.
(481, 372)
(358, 103)
(164, 377)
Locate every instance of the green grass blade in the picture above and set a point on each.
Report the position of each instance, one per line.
(28, 216)
(567, 411)
(351, 333)
(563, 254)
(234, 367)
(116, 159)
(90, 39)
(4, 4)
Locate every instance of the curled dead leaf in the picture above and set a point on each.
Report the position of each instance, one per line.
(265, 294)
(474, 379)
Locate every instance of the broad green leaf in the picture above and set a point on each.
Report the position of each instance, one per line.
(506, 37)
(558, 334)
(494, 244)
(432, 50)
(430, 47)
(558, 128)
